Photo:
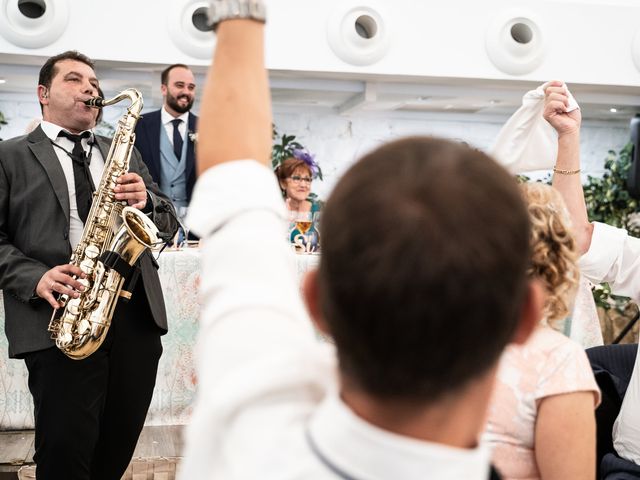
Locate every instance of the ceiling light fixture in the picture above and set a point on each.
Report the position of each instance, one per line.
(613, 110)
(2, 80)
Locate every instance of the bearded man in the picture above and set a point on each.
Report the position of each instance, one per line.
(166, 137)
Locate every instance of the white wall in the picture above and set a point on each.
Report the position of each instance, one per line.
(338, 140)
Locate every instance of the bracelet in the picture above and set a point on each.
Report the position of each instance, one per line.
(565, 172)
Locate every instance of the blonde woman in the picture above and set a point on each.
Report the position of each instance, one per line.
(541, 422)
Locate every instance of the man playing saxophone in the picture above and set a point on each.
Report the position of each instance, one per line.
(88, 413)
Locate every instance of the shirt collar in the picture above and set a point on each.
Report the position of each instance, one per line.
(166, 117)
(52, 130)
(364, 451)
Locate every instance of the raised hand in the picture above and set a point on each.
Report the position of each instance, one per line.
(555, 112)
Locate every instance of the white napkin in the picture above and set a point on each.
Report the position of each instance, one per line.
(527, 142)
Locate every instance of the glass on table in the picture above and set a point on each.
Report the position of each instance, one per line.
(182, 216)
(299, 225)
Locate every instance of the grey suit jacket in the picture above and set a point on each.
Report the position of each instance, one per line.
(34, 235)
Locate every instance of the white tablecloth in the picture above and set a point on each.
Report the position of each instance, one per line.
(175, 383)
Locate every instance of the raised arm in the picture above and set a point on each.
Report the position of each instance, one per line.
(236, 105)
(566, 178)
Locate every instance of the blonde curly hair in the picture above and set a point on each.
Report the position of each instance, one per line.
(554, 255)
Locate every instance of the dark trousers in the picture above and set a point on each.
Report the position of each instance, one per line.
(89, 413)
(612, 366)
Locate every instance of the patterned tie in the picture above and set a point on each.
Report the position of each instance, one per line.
(81, 173)
(177, 138)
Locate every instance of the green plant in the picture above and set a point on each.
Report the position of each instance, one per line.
(608, 201)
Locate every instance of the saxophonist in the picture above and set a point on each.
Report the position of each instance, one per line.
(88, 413)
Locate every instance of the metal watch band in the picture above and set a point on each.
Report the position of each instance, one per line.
(221, 10)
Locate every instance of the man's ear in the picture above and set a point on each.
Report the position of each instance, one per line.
(531, 313)
(310, 297)
(163, 89)
(43, 94)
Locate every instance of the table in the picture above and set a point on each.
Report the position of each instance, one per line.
(175, 383)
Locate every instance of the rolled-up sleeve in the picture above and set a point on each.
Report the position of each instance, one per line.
(613, 257)
(259, 364)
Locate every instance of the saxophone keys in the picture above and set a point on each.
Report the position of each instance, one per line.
(83, 326)
(87, 267)
(92, 251)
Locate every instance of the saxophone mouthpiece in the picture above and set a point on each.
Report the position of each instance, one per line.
(95, 102)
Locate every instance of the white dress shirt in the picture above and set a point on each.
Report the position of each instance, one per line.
(166, 118)
(614, 257)
(267, 405)
(76, 226)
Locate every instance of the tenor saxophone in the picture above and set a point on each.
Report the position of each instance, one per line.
(113, 239)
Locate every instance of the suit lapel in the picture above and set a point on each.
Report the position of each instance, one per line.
(153, 138)
(104, 145)
(191, 163)
(41, 147)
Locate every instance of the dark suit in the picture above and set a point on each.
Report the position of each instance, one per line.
(148, 142)
(94, 404)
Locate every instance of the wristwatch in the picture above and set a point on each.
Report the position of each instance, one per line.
(221, 10)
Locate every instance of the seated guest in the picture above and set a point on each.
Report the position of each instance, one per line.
(541, 420)
(610, 255)
(295, 175)
(419, 309)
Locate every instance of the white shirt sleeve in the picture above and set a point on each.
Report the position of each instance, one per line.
(259, 363)
(613, 257)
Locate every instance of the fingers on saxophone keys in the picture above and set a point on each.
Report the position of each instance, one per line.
(70, 286)
(77, 272)
(129, 188)
(71, 270)
(52, 301)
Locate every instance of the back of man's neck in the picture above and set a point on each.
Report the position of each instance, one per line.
(455, 420)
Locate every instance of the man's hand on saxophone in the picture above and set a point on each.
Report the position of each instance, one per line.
(60, 280)
(131, 188)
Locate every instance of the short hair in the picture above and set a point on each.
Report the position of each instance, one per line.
(553, 249)
(423, 271)
(49, 70)
(164, 76)
(288, 166)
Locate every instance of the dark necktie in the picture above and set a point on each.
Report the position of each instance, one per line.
(177, 138)
(81, 173)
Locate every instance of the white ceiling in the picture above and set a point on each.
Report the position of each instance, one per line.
(347, 94)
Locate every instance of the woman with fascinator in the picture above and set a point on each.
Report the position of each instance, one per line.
(295, 175)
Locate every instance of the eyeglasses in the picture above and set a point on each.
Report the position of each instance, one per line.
(298, 179)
